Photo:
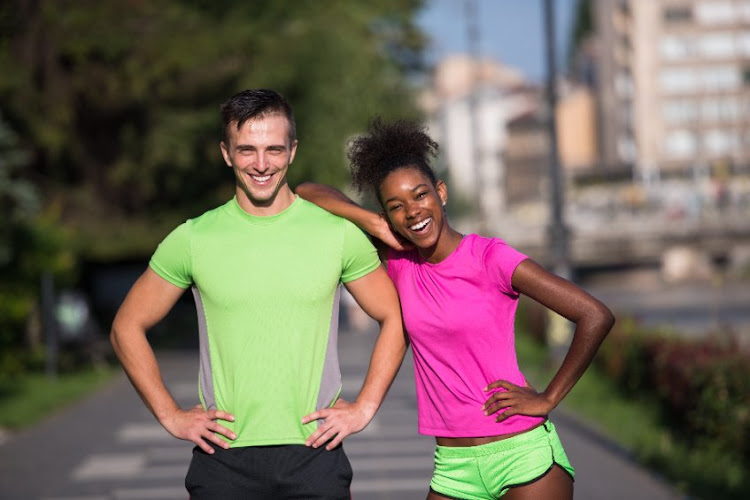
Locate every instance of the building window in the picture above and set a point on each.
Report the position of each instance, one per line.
(717, 46)
(677, 13)
(719, 142)
(713, 13)
(725, 109)
(720, 78)
(624, 84)
(675, 48)
(680, 144)
(626, 149)
(743, 44)
(678, 80)
(681, 111)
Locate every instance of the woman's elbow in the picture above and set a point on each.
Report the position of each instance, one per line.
(605, 319)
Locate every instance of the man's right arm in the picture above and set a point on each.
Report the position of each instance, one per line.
(336, 202)
(147, 303)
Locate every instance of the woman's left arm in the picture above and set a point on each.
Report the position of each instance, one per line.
(593, 321)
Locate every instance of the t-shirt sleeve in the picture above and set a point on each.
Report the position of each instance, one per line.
(500, 260)
(172, 259)
(359, 256)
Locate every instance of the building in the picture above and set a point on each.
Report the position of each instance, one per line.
(469, 106)
(673, 84)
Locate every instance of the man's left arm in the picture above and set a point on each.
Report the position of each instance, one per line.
(377, 296)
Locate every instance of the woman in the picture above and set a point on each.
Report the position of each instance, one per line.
(459, 295)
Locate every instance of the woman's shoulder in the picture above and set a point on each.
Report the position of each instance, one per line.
(393, 255)
(479, 246)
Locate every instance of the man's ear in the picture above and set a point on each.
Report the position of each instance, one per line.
(293, 151)
(225, 153)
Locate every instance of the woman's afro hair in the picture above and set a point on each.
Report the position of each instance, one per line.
(387, 147)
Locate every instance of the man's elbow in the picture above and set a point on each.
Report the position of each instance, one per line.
(114, 339)
(117, 336)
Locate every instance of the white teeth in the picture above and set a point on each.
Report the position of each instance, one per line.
(261, 178)
(420, 225)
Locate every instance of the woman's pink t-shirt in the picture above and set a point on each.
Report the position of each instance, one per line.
(459, 315)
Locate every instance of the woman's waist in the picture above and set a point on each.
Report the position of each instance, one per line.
(460, 442)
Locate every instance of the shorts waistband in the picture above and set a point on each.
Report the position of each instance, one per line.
(497, 446)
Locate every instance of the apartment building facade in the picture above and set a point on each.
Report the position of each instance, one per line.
(673, 85)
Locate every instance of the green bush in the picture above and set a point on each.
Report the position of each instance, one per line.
(702, 385)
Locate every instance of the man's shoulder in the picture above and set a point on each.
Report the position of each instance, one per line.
(210, 217)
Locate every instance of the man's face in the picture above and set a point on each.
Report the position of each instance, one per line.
(260, 153)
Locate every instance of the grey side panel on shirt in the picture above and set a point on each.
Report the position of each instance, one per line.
(206, 375)
(330, 382)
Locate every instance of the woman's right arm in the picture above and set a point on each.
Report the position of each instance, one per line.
(336, 202)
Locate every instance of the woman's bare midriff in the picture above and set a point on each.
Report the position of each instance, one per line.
(477, 441)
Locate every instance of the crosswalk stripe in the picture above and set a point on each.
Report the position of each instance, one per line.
(142, 431)
(96, 497)
(168, 454)
(151, 493)
(390, 447)
(389, 485)
(362, 464)
(110, 466)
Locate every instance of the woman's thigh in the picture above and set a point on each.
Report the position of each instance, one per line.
(556, 484)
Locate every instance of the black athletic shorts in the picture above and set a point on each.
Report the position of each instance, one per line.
(269, 472)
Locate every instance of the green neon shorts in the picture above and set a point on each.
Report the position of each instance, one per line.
(488, 471)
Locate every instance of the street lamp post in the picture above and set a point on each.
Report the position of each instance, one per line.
(559, 329)
(472, 37)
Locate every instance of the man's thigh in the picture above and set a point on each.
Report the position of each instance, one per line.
(274, 472)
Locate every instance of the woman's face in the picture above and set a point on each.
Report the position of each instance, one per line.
(414, 206)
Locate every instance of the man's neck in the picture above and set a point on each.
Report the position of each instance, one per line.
(283, 200)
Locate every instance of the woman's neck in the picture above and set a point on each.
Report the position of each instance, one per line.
(447, 242)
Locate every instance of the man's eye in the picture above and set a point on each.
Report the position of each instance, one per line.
(421, 195)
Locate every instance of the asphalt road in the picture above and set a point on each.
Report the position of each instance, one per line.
(109, 447)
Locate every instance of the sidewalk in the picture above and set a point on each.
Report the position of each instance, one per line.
(109, 447)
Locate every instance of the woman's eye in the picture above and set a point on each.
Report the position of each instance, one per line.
(394, 207)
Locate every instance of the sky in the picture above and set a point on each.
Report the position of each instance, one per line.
(511, 31)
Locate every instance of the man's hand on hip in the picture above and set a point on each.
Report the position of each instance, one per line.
(342, 419)
(199, 426)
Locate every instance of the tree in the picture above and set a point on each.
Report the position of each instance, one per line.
(580, 49)
(30, 244)
(118, 100)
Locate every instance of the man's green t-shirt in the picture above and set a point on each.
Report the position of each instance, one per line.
(266, 290)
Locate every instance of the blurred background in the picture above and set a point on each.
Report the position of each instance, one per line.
(607, 139)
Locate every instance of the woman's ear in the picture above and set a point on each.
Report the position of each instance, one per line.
(442, 191)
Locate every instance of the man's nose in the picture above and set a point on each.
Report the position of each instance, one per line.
(262, 163)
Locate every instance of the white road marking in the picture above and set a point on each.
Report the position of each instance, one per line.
(150, 494)
(142, 432)
(421, 463)
(110, 466)
(374, 485)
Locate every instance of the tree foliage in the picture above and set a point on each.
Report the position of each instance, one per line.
(31, 243)
(582, 31)
(118, 100)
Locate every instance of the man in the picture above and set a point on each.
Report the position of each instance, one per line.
(265, 270)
